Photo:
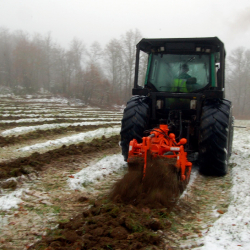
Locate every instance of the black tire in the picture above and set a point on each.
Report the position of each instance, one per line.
(134, 122)
(216, 136)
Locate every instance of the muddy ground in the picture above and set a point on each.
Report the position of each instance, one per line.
(115, 213)
(87, 220)
(142, 223)
(143, 214)
(27, 165)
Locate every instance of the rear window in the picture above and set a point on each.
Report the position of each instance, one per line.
(179, 73)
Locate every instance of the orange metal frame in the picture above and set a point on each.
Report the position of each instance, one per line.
(159, 142)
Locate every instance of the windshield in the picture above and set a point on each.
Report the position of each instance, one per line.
(179, 73)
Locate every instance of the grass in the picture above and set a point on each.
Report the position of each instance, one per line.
(56, 209)
(163, 215)
(174, 228)
(114, 212)
(201, 192)
(29, 208)
(133, 224)
(188, 226)
(86, 184)
(137, 228)
(184, 237)
(48, 186)
(225, 186)
(52, 186)
(43, 209)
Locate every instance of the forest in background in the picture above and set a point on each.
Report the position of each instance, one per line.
(96, 75)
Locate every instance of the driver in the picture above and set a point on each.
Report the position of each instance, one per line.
(184, 70)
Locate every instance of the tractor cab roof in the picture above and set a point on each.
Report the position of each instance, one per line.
(181, 45)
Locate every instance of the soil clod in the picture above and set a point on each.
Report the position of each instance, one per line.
(160, 188)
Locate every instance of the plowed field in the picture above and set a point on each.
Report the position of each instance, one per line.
(58, 164)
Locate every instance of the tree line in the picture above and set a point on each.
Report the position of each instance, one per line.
(96, 75)
(238, 81)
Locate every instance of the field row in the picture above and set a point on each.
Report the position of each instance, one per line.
(42, 143)
(22, 137)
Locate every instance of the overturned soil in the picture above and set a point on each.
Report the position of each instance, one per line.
(159, 188)
(129, 216)
(107, 226)
(26, 165)
(110, 224)
(124, 219)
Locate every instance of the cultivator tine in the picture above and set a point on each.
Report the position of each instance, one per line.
(160, 144)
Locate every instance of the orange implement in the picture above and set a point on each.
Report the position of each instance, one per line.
(160, 143)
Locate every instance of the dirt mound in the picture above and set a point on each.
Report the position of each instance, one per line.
(160, 187)
(109, 226)
(20, 165)
(129, 217)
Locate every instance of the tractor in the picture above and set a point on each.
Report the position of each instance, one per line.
(182, 96)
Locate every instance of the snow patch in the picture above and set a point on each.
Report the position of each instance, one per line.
(52, 119)
(96, 172)
(11, 200)
(61, 114)
(77, 138)
(24, 130)
(232, 230)
(193, 176)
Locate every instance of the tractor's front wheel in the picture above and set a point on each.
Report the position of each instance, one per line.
(134, 122)
(216, 136)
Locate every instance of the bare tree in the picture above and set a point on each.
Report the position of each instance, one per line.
(238, 81)
(75, 60)
(129, 41)
(6, 59)
(32, 63)
(95, 53)
(114, 64)
(25, 62)
(48, 54)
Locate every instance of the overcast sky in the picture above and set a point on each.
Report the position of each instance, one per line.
(102, 20)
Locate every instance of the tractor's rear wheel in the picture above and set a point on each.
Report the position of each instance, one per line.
(134, 122)
(216, 136)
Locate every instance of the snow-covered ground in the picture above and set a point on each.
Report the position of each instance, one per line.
(77, 138)
(49, 108)
(193, 175)
(61, 114)
(232, 230)
(27, 129)
(11, 200)
(96, 172)
(79, 181)
(52, 119)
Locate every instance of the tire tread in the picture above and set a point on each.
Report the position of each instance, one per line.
(134, 122)
(215, 141)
